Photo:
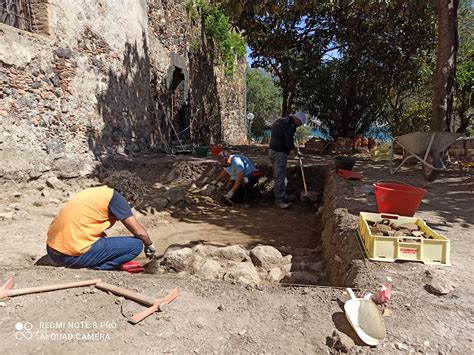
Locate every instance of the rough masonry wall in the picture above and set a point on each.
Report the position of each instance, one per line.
(234, 128)
(75, 92)
(99, 84)
(215, 101)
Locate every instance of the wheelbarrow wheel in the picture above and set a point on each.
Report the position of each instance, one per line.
(429, 173)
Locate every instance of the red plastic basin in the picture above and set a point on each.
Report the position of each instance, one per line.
(398, 198)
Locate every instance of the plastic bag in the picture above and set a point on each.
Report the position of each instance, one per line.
(382, 295)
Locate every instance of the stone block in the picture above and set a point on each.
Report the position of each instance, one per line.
(209, 270)
(232, 252)
(176, 196)
(242, 272)
(177, 259)
(266, 257)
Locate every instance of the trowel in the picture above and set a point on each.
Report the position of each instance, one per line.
(366, 319)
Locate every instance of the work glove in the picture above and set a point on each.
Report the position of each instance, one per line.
(150, 251)
(229, 195)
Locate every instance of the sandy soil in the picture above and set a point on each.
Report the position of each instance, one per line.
(222, 317)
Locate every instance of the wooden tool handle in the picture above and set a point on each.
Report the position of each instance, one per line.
(24, 291)
(136, 296)
(302, 175)
(351, 293)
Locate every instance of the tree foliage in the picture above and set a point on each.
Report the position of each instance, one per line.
(350, 64)
(215, 23)
(263, 99)
(464, 68)
(382, 48)
(286, 38)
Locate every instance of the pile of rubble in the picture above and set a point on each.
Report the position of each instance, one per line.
(316, 146)
(387, 229)
(262, 264)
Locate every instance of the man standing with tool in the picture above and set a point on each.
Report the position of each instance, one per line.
(281, 144)
(76, 237)
(244, 174)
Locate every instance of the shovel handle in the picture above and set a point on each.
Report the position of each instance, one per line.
(132, 295)
(302, 175)
(28, 290)
(351, 293)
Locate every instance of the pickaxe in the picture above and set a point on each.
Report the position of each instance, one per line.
(154, 305)
(7, 291)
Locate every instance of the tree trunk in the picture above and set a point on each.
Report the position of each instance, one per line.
(287, 101)
(443, 78)
(464, 119)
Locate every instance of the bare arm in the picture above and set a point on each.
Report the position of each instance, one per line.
(137, 230)
(239, 179)
(221, 176)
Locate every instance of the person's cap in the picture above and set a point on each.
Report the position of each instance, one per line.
(300, 116)
(224, 154)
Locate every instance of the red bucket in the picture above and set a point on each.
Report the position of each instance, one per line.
(398, 198)
(216, 150)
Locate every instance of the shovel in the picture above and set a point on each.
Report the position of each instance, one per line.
(305, 196)
(366, 319)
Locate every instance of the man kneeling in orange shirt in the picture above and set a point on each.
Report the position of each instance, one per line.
(76, 237)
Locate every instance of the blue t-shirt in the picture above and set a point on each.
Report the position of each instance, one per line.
(239, 163)
(119, 207)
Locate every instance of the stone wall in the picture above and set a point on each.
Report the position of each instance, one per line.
(214, 101)
(345, 262)
(97, 79)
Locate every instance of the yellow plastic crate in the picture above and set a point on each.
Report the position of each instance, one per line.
(429, 251)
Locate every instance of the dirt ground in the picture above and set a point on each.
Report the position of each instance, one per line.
(220, 317)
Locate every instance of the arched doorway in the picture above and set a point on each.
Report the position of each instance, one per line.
(179, 108)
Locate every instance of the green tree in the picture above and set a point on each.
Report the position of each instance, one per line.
(263, 99)
(382, 49)
(464, 67)
(228, 43)
(445, 71)
(286, 38)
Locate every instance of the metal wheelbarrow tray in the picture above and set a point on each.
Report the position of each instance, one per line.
(427, 148)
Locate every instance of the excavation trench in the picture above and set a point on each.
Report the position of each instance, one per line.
(197, 236)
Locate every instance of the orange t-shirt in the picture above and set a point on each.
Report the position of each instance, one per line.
(81, 221)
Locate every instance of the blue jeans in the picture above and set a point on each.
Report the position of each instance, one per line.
(104, 254)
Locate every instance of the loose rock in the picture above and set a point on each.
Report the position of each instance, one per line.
(266, 257)
(232, 252)
(6, 216)
(410, 226)
(177, 259)
(160, 203)
(176, 196)
(340, 342)
(275, 275)
(244, 273)
(210, 270)
(55, 183)
(440, 286)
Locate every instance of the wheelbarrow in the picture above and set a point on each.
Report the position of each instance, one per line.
(427, 147)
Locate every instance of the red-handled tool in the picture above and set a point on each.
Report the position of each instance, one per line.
(159, 305)
(154, 304)
(132, 267)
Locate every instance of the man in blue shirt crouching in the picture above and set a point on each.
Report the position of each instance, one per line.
(244, 174)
